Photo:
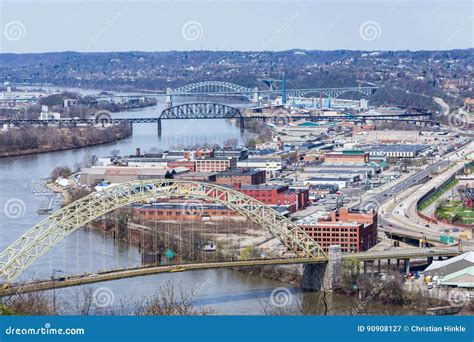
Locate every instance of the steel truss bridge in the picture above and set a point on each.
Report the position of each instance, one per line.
(220, 88)
(22, 253)
(204, 110)
(366, 258)
(227, 88)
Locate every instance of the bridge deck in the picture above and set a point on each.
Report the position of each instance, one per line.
(415, 117)
(42, 285)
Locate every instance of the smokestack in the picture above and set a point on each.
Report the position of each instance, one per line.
(137, 152)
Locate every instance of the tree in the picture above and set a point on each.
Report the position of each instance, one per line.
(115, 153)
(251, 143)
(60, 171)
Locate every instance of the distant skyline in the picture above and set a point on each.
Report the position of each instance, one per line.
(103, 26)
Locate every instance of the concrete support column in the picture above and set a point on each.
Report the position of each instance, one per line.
(379, 265)
(333, 268)
(168, 99)
(365, 267)
(159, 127)
(255, 95)
(407, 266)
(398, 264)
(242, 125)
(388, 264)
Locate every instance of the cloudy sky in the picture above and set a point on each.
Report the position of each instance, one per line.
(88, 25)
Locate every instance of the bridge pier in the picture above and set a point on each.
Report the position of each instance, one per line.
(168, 98)
(323, 277)
(242, 125)
(407, 266)
(255, 95)
(159, 128)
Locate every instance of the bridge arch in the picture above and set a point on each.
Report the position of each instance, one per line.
(217, 87)
(331, 92)
(204, 110)
(41, 238)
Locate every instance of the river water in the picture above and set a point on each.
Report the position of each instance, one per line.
(225, 291)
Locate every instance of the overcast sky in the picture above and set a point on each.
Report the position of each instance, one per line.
(42, 26)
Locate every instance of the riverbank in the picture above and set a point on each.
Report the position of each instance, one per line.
(59, 190)
(33, 140)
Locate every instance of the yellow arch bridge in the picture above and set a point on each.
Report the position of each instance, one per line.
(39, 239)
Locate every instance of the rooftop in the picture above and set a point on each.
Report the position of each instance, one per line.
(398, 148)
(239, 172)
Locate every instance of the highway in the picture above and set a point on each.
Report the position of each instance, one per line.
(402, 214)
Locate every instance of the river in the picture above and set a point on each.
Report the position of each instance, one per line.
(225, 291)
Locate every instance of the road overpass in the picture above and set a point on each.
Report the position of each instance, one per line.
(402, 213)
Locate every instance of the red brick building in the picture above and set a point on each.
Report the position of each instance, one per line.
(293, 199)
(347, 157)
(190, 164)
(189, 211)
(354, 231)
(241, 177)
(215, 164)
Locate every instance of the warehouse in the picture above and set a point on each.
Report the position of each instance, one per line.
(397, 150)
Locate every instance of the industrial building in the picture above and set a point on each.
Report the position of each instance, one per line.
(272, 167)
(215, 164)
(348, 156)
(340, 182)
(120, 174)
(454, 272)
(397, 150)
(241, 176)
(277, 195)
(354, 231)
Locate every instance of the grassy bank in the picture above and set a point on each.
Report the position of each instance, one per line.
(442, 190)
